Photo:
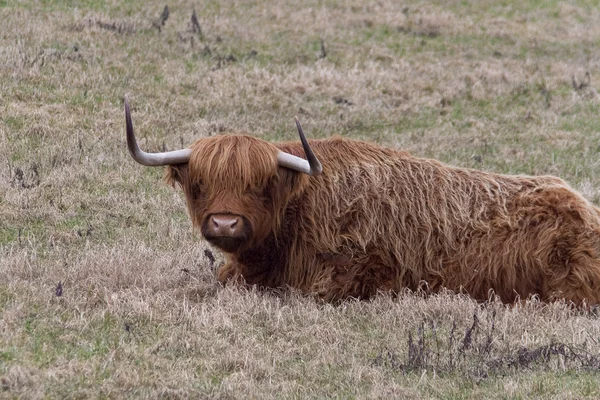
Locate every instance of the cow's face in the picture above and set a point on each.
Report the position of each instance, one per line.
(236, 187)
(235, 191)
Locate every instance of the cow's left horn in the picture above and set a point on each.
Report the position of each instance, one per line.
(151, 159)
(311, 167)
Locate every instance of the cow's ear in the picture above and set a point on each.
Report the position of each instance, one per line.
(176, 175)
(291, 183)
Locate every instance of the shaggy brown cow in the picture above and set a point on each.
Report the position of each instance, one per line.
(380, 219)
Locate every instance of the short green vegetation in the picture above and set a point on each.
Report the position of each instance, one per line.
(107, 292)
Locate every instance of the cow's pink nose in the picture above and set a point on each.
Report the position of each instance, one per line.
(226, 225)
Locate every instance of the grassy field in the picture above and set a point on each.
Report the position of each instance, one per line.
(107, 292)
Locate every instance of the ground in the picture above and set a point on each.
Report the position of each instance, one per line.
(105, 289)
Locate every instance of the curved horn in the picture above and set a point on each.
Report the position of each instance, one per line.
(151, 159)
(311, 167)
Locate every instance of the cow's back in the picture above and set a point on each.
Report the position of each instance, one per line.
(382, 219)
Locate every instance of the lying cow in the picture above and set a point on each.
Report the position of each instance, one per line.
(373, 218)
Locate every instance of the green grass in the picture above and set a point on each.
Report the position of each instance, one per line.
(498, 86)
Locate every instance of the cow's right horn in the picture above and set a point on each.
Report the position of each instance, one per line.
(311, 166)
(151, 159)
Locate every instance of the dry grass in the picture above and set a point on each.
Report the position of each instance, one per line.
(502, 86)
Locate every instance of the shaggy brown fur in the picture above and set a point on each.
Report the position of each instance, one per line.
(380, 219)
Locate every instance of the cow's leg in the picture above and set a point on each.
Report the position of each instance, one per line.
(579, 280)
(342, 277)
(229, 271)
(254, 270)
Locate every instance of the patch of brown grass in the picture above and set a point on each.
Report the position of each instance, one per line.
(504, 87)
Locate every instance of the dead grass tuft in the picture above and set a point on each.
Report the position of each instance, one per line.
(105, 290)
(479, 352)
(97, 24)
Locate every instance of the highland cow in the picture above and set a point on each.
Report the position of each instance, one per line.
(377, 219)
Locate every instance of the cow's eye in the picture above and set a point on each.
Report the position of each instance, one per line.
(266, 192)
(259, 192)
(196, 190)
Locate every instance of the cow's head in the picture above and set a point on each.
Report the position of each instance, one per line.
(236, 186)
